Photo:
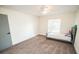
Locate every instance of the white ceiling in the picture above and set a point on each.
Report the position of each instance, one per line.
(37, 9)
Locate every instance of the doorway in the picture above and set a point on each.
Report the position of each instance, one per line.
(5, 37)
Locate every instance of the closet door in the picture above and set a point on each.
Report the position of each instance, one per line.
(5, 37)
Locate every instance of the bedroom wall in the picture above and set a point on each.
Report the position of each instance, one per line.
(67, 21)
(77, 35)
(22, 26)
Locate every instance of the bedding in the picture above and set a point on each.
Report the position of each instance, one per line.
(62, 37)
(69, 37)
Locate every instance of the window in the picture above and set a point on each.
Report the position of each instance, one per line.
(54, 25)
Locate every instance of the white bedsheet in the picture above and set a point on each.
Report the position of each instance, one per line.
(59, 37)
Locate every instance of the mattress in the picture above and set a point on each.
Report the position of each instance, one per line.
(59, 37)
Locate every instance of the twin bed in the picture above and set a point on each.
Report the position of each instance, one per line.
(59, 37)
(63, 37)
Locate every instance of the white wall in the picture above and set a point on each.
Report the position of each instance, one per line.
(77, 35)
(67, 21)
(22, 26)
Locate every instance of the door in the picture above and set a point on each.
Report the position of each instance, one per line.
(5, 37)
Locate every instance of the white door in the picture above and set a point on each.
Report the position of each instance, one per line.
(5, 38)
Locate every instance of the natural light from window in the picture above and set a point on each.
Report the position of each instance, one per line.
(54, 26)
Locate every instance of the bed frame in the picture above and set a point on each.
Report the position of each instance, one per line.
(73, 35)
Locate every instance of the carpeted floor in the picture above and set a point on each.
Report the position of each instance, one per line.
(40, 45)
